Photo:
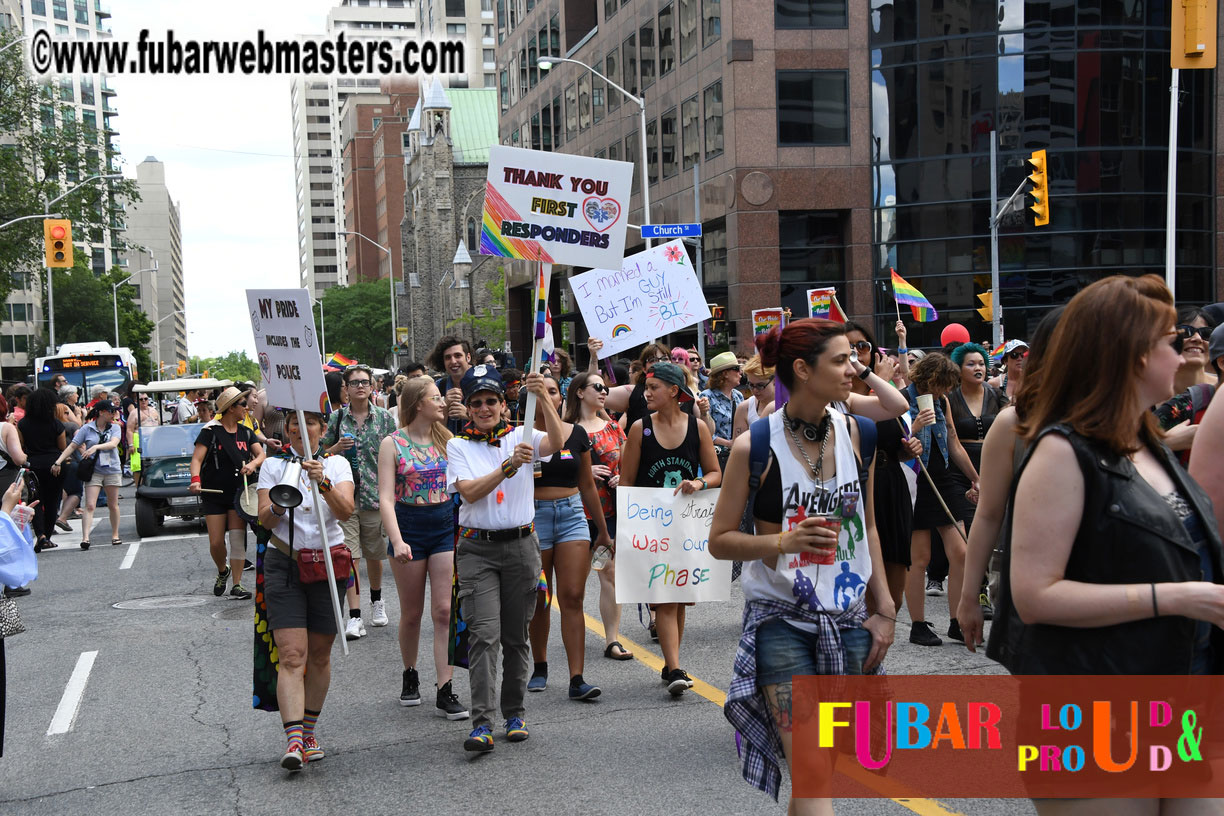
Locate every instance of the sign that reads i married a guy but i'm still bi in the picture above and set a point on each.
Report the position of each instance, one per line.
(290, 362)
(555, 208)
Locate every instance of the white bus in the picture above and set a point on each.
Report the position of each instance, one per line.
(86, 365)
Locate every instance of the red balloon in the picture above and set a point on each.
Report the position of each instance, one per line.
(953, 333)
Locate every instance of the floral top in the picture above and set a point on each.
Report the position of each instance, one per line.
(722, 409)
(420, 471)
(364, 455)
(606, 448)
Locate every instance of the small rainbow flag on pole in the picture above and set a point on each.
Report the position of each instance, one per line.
(904, 292)
(997, 354)
(341, 360)
(541, 305)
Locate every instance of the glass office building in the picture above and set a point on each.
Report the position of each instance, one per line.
(1088, 80)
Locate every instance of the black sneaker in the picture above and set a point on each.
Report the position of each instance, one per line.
(411, 694)
(922, 634)
(449, 705)
(954, 632)
(240, 593)
(218, 585)
(678, 682)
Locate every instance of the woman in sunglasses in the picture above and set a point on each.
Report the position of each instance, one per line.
(585, 408)
(225, 451)
(1014, 352)
(724, 397)
(1193, 386)
(760, 403)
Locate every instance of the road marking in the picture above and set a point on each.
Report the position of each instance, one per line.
(70, 703)
(176, 537)
(923, 807)
(131, 555)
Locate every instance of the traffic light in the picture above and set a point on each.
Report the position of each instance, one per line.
(987, 309)
(1192, 32)
(57, 243)
(182, 367)
(1041, 188)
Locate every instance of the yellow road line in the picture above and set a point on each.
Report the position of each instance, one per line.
(923, 807)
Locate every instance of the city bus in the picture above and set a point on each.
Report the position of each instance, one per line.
(86, 365)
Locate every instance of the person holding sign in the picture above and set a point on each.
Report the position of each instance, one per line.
(497, 561)
(813, 564)
(300, 613)
(665, 449)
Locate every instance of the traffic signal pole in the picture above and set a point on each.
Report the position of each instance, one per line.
(996, 304)
(1171, 199)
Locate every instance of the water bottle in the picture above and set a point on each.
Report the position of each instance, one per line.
(600, 557)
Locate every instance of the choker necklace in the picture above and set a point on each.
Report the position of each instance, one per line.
(812, 433)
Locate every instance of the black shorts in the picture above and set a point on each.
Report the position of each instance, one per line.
(218, 504)
(292, 604)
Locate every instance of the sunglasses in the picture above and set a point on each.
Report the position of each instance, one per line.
(861, 345)
(490, 402)
(1185, 332)
(599, 388)
(761, 386)
(242, 404)
(1014, 355)
(358, 383)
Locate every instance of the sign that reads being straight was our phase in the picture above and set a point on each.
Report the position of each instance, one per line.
(555, 208)
(290, 362)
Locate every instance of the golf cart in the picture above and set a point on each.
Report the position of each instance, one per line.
(165, 461)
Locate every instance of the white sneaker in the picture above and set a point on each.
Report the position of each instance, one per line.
(378, 613)
(354, 629)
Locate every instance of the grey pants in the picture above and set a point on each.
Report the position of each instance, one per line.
(497, 589)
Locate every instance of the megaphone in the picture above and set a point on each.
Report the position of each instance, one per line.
(288, 492)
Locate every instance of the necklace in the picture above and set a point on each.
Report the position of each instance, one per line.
(811, 433)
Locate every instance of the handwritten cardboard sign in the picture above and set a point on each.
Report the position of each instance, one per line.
(555, 207)
(653, 293)
(662, 544)
(289, 356)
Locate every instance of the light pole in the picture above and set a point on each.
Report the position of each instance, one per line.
(17, 41)
(390, 277)
(157, 338)
(322, 327)
(546, 63)
(115, 295)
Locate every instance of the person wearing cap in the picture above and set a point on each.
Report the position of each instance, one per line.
(1014, 352)
(665, 450)
(724, 397)
(225, 451)
(497, 558)
(99, 436)
(356, 431)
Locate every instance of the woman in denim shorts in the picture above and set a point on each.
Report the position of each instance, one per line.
(563, 484)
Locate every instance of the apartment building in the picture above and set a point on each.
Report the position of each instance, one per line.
(153, 224)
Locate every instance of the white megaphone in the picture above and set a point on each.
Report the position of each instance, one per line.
(288, 492)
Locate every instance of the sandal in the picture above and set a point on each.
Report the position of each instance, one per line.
(654, 633)
(48, 544)
(84, 545)
(115, 542)
(624, 654)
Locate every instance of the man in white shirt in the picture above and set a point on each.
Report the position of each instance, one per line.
(497, 559)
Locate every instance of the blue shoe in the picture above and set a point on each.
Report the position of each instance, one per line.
(538, 682)
(516, 729)
(583, 690)
(481, 739)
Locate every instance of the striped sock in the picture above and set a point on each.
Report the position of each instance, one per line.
(308, 723)
(293, 732)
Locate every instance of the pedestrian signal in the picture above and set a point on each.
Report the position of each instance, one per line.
(57, 243)
(1041, 188)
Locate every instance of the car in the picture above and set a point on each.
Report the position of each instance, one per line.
(165, 463)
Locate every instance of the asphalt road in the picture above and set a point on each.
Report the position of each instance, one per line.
(164, 723)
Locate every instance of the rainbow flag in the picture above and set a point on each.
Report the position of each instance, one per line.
(340, 360)
(905, 293)
(541, 320)
(998, 353)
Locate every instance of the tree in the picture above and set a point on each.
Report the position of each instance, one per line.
(84, 311)
(43, 156)
(235, 365)
(489, 326)
(358, 321)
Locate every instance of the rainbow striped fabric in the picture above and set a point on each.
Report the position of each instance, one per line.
(541, 318)
(906, 294)
(998, 353)
(340, 360)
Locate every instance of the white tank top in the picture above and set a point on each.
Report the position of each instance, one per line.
(795, 579)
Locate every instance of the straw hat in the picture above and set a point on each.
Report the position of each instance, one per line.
(227, 399)
(722, 362)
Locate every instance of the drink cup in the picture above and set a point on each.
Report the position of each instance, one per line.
(828, 556)
(926, 401)
(22, 515)
(600, 557)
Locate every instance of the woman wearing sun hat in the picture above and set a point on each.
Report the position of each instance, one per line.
(724, 398)
(1014, 352)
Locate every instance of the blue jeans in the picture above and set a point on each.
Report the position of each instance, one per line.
(783, 651)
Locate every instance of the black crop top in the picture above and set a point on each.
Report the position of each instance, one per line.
(561, 469)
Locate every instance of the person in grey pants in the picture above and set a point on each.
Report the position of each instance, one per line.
(497, 558)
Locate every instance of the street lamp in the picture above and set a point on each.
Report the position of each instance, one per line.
(390, 278)
(115, 295)
(546, 63)
(17, 41)
(322, 327)
(157, 338)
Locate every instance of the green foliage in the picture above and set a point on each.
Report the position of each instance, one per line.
(358, 321)
(235, 365)
(38, 163)
(488, 327)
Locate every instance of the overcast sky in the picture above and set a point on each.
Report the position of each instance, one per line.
(226, 142)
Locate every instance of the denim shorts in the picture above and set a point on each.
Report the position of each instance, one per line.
(426, 529)
(784, 651)
(560, 520)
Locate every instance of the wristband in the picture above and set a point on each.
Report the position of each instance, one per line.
(704, 484)
(325, 486)
(1155, 608)
(274, 506)
(865, 373)
(194, 479)
(507, 469)
(780, 551)
(885, 617)
(902, 351)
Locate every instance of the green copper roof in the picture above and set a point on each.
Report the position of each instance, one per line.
(473, 123)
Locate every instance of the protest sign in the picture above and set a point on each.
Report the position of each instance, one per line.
(555, 207)
(820, 302)
(662, 547)
(290, 360)
(652, 294)
(765, 319)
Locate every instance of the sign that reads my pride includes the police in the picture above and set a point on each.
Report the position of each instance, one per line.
(555, 208)
(290, 361)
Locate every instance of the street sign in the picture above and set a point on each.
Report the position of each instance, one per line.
(671, 230)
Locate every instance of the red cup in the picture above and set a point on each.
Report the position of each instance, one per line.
(828, 556)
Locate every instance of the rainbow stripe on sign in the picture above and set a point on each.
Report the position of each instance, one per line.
(541, 306)
(620, 329)
(908, 295)
(492, 242)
